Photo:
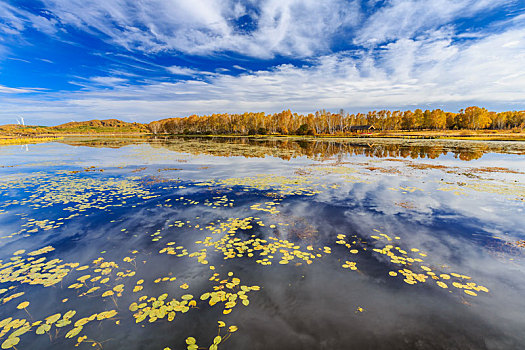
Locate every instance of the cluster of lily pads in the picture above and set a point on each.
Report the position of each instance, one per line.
(413, 270)
(113, 279)
(192, 342)
(72, 193)
(283, 185)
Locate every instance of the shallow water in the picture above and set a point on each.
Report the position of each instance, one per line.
(364, 244)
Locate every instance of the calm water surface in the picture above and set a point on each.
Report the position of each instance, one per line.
(364, 244)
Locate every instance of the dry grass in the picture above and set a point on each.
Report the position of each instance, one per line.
(426, 166)
(496, 170)
(502, 135)
(26, 140)
(383, 170)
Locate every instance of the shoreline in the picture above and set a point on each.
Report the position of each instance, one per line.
(415, 135)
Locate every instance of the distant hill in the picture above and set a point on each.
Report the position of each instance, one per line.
(106, 126)
(107, 123)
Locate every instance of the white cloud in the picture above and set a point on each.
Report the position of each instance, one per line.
(11, 22)
(108, 81)
(178, 70)
(433, 70)
(14, 21)
(286, 27)
(18, 59)
(298, 28)
(417, 58)
(10, 90)
(264, 29)
(236, 66)
(406, 18)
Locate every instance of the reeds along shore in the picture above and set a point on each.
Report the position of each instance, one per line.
(26, 140)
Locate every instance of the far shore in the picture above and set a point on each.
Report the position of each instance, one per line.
(475, 135)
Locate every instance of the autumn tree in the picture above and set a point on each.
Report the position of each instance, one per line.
(408, 121)
(438, 119)
(418, 119)
(325, 122)
(474, 118)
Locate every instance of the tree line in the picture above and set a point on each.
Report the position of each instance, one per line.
(324, 122)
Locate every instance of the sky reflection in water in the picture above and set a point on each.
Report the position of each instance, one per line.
(130, 198)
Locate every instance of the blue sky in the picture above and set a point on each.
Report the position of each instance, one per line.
(64, 60)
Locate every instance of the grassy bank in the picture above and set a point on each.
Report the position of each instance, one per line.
(477, 135)
(26, 140)
(133, 129)
(480, 135)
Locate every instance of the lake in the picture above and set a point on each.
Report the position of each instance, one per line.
(262, 243)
